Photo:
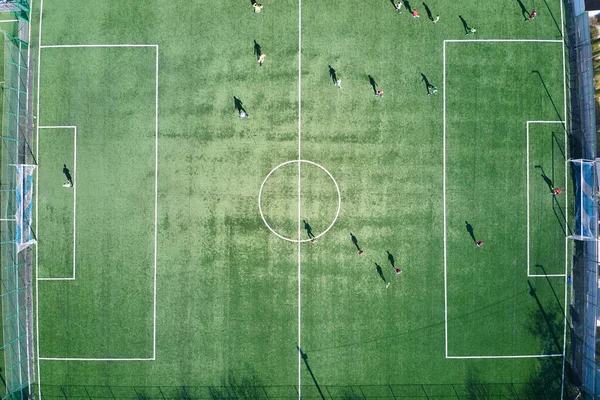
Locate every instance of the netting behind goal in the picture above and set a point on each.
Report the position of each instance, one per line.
(15, 269)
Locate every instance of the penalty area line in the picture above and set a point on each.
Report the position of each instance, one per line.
(93, 359)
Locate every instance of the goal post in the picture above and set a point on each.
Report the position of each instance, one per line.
(585, 176)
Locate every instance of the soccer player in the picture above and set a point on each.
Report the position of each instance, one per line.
(379, 93)
(415, 13)
(244, 114)
(431, 89)
(556, 191)
(338, 83)
(479, 243)
(398, 271)
(261, 59)
(471, 31)
(399, 7)
(531, 16)
(436, 19)
(257, 7)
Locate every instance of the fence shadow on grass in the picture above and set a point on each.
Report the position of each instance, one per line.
(248, 389)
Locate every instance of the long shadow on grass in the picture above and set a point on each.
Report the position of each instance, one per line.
(238, 104)
(524, 11)
(373, 84)
(257, 50)
(548, 93)
(550, 318)
(485, 312)
(465, 25)
(560, 218)
(540, 266)
(305, 359)
(332, 73)
(554, 19)
(232, 387)
(549, 181)
(428, 11)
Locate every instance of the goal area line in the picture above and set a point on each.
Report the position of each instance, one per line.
(74, 268)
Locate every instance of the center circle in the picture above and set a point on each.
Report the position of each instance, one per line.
(298, 218)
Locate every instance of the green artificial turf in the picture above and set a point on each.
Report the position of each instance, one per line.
(233, 300)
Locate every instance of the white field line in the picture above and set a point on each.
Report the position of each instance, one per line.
(562, 32)
(299, 198)
(504, 40)
(155, 201)
(520, 356)
(529, 275)
(72, 278)
(7, 219)
(15, 20)
(444, 199)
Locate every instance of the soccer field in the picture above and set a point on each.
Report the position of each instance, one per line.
(180, 264)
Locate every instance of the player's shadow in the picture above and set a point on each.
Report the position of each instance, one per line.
(465, 25)
(373, 84)
(394, 4)
(560, 218)
(355, 241)
(380, 272)
(391, 259)
(67, 173)
(332, 74)
(428, 11)
(304, 357)
(308, 229)
(524, 11)
(545, 177)
(238, 104)
(469, 228)
(407, 5)
(257, 50)
(428, 86)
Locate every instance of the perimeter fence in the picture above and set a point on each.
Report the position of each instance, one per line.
(15, 265)
(583, 369)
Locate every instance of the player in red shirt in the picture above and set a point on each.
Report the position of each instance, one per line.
(532, 15)
(479, 243)
(556, 191)
(415, 13)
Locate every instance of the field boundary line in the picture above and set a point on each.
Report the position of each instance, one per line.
(156, 48)
(72, 278)
(504, 40)
(529, 274)
(444, 199)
